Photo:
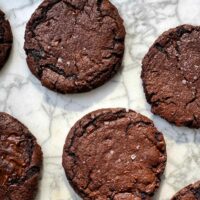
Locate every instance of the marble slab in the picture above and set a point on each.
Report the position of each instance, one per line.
(49, 116)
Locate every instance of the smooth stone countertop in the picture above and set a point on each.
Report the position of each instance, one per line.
(49, 116)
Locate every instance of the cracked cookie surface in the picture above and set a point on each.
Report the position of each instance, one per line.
(20, 160)
(74, 46)
(191, 192)
(171, 76)
(6, 39)
(114, 154)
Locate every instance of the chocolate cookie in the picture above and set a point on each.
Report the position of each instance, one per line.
(191, 192)
(74, 46)
(114, 154)
(6, 39)
(20, 160)
(171, 76)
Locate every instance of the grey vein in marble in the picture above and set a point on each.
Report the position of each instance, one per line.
(49, 116)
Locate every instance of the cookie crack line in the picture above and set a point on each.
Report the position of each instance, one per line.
(75, 75)
(58, 71)
(191, 191)
(91, 122)
(6, 39)
(27, 175)
(182, 32)
(179, 33)
(44, 11)
(144, 124)
(95, 121)
(172, 60)
(21, 163)
(7, 42)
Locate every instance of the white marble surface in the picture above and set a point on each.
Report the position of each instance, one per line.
(49, 116)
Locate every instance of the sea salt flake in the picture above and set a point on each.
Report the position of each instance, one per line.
(137, 147)
(60, 60)
(111, 152)
(184, 81)
(195, 77)
(117, 161)
(133, 156)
